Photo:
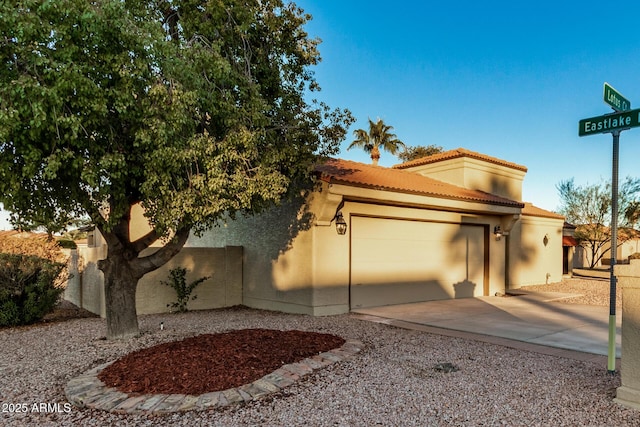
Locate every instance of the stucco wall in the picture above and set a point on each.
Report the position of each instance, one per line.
(223, 289)
(476, 174)
(629, 280)
(72, 292)
(88, 291)
(533, 262)
(294, 264)
(277, 244)
(628, 248)
(583, 255)
(307, 270)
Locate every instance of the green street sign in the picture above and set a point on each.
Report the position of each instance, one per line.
(615, 100)
(609, 123)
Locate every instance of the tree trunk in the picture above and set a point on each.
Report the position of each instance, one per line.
(120, 298)
(375, 155)
(123, 268)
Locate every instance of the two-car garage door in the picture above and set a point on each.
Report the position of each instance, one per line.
(395, 261)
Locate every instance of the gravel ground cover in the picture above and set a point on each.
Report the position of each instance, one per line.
(397, 380)
(592, 291)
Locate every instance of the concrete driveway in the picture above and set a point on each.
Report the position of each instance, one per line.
(532, 318)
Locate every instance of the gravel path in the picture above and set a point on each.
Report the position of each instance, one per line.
(392, 382)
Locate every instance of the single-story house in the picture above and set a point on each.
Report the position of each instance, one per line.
(628, 244)
(450, 225)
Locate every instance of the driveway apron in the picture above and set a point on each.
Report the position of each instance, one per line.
(535, 318)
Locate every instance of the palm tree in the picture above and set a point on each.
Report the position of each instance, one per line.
(379, 136)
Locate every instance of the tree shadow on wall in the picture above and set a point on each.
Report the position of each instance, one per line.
(270, 232)
(470, 240)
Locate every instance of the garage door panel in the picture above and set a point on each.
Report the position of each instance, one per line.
(375, 295)
(398, 261)
(466, 257)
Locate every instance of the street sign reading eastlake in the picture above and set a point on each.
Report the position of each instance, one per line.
(609, 123)
(614, 99)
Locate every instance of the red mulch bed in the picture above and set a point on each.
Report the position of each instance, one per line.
(208, 363)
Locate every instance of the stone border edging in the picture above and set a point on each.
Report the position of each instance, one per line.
(88, 391)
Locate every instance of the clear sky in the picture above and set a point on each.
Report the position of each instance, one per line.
(505, 78)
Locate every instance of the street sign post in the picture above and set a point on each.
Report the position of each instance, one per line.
(614, 99)
(614, 123)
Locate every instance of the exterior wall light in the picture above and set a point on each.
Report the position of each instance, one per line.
(497, 231)
(341, 224)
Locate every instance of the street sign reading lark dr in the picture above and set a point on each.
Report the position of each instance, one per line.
(615, 100)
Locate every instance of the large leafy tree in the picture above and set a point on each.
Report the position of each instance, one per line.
(378, 136)
(589, 208)
(195, 110)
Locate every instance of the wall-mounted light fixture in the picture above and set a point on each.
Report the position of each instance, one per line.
(341, 224)
(497, 232)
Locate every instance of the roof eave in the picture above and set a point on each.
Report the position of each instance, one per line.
(517, 206)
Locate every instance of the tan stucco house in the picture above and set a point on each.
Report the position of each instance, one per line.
(451, 225)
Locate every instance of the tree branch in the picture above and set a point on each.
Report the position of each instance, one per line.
(121, 229)
(171, 19)
(163, 255)
(145, 241)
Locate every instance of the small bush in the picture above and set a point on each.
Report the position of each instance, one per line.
(178, 281)
(635, 255)
(28, 288)
(67, 244)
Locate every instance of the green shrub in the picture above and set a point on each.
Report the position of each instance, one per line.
(67, 244)
(28, 288)
(178, 281)
(38, 245)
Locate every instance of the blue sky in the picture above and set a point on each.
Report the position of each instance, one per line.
(507, 79)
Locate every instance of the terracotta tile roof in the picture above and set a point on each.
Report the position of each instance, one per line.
(630, 233)
(532, 210)
(459, 152)
(346, 172)
(569, 241)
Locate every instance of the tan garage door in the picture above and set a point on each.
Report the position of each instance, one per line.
(398, 261)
